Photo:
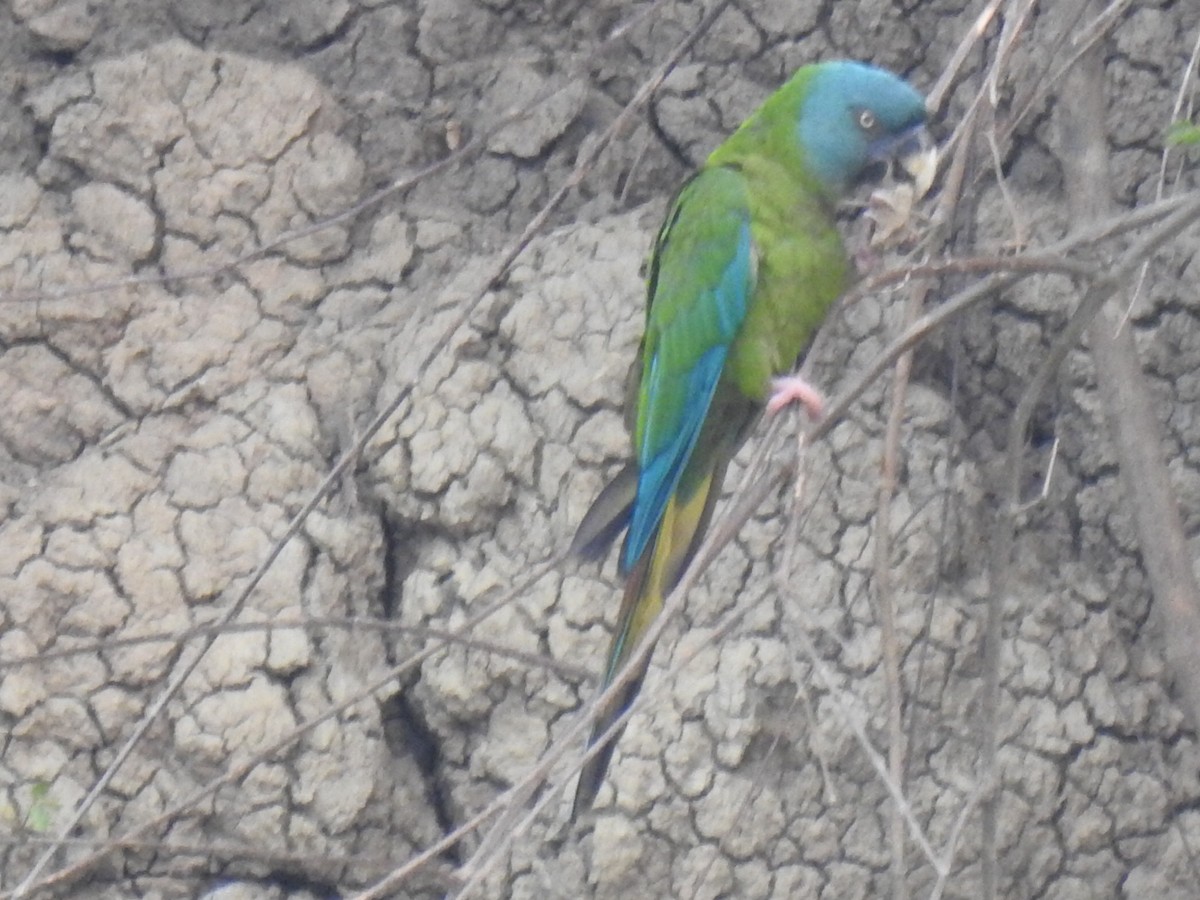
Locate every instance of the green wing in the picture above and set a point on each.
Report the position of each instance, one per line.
(702, 281)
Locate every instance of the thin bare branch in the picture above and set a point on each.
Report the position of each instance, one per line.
(938, 93)
(853, 721)
(435, 348)
(1084, 161)
(1182, 97)
(81, 867)
(883, 590)
(1081, 41)
(304, 623)
(398, 186)
(960, 823)
(1178, 213)
(1129, 407)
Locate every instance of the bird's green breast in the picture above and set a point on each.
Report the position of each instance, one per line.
(801, 270)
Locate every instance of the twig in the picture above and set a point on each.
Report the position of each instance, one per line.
(852, 721)
(1080, 160)
(134, 836)
(1087, 38)
(432, 351)
(480, 863)
(1098, 292)
(223, 858)
(727, 526)
(502, 834)
(1129, 409)
(884, 591)
(720, 534)
(398, 186)
(743, 504)
(956, 831)
(305, 623)
(938, 93)
(1180, 97)
(570, 738)
(1177, 211)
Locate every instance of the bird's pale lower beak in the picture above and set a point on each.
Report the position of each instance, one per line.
(920, 162)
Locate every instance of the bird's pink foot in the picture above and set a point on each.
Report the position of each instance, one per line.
(786, 389)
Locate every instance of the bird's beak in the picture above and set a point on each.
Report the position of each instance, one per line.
(919, 159)
(916, 153)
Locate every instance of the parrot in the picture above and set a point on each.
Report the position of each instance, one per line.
(744, 269)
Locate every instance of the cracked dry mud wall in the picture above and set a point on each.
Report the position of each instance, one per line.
(158, 437)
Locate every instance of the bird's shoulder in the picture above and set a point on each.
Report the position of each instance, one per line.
(705, 243)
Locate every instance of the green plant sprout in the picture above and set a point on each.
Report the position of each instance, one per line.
(1183, 134)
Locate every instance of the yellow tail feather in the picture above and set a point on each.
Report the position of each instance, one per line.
(645, 590)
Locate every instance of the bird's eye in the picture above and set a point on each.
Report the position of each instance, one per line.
(866, 119)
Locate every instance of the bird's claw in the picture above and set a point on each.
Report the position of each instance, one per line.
(788, 389)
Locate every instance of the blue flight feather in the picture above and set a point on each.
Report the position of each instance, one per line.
(658, 479)
(660, 473)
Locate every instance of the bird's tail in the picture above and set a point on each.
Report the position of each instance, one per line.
(646, 586)
(607, 516)
(591, 776)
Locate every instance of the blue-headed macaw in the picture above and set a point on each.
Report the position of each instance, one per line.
(743, 272)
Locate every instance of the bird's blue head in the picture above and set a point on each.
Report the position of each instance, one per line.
(853, 116)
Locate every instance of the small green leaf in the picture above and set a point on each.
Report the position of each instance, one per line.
(41, 808)
(1183, 134)
(39, 819)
